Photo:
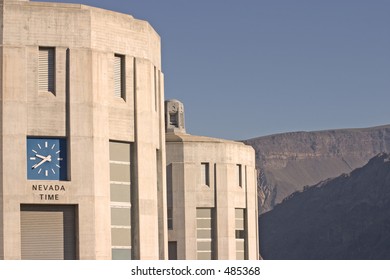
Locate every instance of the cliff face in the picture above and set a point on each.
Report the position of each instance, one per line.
(287, 162)
(343, 218)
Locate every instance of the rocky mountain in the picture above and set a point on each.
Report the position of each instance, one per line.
(343, 218)
(289, 161)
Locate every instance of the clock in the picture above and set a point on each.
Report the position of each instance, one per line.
(46, 159)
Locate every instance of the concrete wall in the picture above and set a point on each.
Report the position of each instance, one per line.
(185, 154)
(84, 110)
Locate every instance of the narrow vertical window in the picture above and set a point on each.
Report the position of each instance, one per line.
(204, 234)
(239, 174)
(119, 76)
(120, 200)
(240, 234)
(205, 174)
(170, 218)
(172, 250)
(46, 69)
(169, 197)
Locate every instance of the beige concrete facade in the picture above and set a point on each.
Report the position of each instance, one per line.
(91, 78)
(83, 110)
(208, 175)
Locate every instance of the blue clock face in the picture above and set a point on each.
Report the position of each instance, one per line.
(46, 159)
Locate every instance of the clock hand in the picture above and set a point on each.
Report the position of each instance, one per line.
(43, 157)
(48, 158)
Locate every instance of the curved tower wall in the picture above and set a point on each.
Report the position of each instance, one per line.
(92, 107)
(211, 195)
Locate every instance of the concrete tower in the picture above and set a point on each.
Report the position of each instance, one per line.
(82, 138)
(211, 194)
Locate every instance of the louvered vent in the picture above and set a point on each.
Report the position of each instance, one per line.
(46, 69)
(119, 76)
(48, 232)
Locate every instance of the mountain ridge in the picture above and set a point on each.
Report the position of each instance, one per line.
(347, 217)
(289, 161)
(320, 130)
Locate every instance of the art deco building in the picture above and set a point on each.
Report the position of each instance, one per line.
(82, 135)
(211, 192)
(83, 156)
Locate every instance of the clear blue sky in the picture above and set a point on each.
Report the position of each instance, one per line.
(258, 67)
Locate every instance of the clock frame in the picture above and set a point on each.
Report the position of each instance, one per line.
(46, 159)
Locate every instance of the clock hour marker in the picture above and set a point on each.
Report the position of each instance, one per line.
(39, 146)
(33, 158)
(46, 173)
(58, 166)
(39, 171)
(34, 151)
(46, 144)
(60, 158)
(53, 171)
(58, 151)
(52, 147)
